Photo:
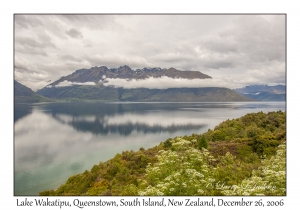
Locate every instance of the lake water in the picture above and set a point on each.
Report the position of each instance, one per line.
(53, 141)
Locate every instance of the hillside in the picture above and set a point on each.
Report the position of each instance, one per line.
(264, 92)
(23, 94)
(100, 92)
(244, 156)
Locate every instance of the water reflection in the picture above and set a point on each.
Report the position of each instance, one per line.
(21, 110)
(54, 141)
(126, 124)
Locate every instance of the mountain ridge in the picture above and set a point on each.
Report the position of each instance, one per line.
(89, 84)
(23, 94)
(98, 74)
(263, 92)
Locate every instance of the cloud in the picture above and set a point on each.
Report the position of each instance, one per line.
(74, 33)
(164, 83)
(93, 22)
(239, 47)
(133, 61)
(26, 21)
(66, 83)
(34, 46)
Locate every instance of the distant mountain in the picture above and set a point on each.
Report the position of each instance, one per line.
(264, 92)
(23, 94)
(99, 74)
(89, 84)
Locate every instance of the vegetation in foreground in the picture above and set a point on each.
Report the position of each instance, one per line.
(244, 156)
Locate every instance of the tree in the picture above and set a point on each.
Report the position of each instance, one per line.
(202, 143)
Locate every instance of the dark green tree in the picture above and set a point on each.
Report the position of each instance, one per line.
(202, 143)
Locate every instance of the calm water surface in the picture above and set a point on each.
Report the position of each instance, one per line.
(56, 140)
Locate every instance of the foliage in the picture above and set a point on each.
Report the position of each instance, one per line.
(244, 156)
(269, 179)
(202, 143)
(110, 177)
(181, 171)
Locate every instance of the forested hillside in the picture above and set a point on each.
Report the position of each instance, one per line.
(23, 94)
(104, 93)
(244, 156)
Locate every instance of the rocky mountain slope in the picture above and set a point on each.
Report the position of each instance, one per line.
(99, 74)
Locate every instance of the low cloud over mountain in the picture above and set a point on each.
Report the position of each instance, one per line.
(124, 76)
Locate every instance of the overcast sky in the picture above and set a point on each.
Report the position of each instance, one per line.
(235, 50)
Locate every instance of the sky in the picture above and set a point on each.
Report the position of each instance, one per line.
(235, 50)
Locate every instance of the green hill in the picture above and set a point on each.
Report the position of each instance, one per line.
(104, 93)
(23, 94)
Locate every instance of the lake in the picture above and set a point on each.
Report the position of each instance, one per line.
(53, 141)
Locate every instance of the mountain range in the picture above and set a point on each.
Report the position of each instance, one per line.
(264, 92)
(99, 74)
(89, 84)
